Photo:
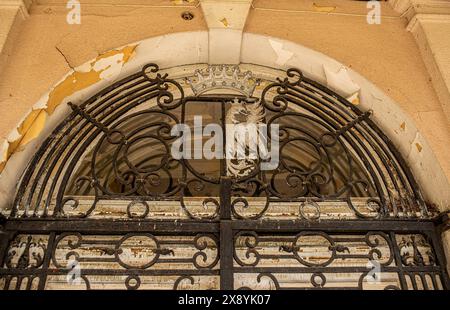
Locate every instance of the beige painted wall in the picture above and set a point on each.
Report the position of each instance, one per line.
(47, 47)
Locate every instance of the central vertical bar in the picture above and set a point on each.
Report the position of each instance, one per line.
(226, 256)
(225, 198)
(223, 161)
(226, 235)
(226, 232)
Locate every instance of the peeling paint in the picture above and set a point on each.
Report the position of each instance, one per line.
(4, 154)
(323, 8)
(419, 147)
(282, 55)
(181, 2)
(416, 144)
(354, 99)
(79, 80)
(341, 81)
(403, 126)
(29, 129)
(105, 67)
(224, 21)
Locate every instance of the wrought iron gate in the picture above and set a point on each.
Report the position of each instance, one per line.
(104, 204)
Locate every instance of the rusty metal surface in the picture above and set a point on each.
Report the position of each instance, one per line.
(264, 229)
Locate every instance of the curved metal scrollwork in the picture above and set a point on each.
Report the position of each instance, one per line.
(137, 251)
(117, 145)
(106, 200)
(25, 253)
(329, 150)
(318, 259)
(248, 245)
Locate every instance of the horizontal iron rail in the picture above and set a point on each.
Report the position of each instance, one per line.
(328, 269)
(334, 225)
(106, 272)
(118, 226)
(108, 226)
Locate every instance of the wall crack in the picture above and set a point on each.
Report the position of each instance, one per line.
(65, 58)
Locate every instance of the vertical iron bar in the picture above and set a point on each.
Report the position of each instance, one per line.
(46, 263)
(226, 235)
(223, 161)
(398, 262)
(226, 256)
(5, 238)
(225, 198)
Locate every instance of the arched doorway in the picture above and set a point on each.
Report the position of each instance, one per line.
(103, 199)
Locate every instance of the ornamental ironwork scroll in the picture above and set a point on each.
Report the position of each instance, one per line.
(116, 146)
(105, 204)
(290, 257)
(317, 259)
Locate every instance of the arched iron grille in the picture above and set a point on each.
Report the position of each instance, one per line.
(103, 193)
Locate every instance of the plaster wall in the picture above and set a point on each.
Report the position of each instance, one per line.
(47, 48)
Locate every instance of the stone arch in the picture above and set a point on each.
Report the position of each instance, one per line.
(179, 50)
